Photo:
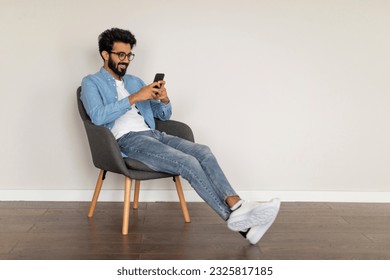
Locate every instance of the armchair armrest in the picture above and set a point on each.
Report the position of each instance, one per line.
(175, 128)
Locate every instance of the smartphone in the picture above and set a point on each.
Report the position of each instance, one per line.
(158, 77)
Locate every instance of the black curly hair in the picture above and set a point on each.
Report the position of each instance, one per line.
(110, 36)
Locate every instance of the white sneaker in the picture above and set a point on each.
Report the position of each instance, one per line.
(256, 233)
(251, 214)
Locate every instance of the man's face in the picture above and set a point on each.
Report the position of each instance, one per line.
(118, 66)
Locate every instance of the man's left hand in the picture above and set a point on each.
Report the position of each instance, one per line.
(162, 94)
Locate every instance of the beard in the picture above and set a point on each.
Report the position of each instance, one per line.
(116, 69)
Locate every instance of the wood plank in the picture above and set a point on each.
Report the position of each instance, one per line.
(61, 230)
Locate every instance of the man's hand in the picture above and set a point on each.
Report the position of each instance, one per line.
(149, 92)
(162, 93)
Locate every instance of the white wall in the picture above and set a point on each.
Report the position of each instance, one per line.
(292, 96)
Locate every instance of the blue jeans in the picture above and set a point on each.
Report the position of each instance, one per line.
(173, 155)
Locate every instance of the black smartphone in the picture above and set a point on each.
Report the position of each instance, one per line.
(158, 77)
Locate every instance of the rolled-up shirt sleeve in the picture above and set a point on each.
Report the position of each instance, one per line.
(162, 111)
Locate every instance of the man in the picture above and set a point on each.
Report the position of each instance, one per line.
(127, 106)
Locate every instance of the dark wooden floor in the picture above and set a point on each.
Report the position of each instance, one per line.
(61, 230)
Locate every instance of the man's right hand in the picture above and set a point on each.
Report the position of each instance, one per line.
(146, 93)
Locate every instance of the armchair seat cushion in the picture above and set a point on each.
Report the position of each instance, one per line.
(137, 165)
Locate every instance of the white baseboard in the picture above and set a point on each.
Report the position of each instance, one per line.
(191, 196)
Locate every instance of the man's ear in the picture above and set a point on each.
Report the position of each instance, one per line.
(105, 55)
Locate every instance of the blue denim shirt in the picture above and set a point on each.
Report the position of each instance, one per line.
(100, 99)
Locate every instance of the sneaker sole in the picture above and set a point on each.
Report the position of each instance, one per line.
(258, 233)
(256, 217)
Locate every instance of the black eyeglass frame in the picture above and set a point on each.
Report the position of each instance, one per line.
(122, 55)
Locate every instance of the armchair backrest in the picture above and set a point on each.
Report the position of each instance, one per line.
(104, 148)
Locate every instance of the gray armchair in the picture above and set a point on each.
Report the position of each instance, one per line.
(106, 156)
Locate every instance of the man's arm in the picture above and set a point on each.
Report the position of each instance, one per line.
(158, 98)
(149, 92)
(100, 110)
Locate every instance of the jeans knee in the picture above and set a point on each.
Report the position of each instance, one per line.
(206, 149)
(190, 162)
(205, 152)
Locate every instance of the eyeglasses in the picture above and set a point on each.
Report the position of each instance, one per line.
(122, 55)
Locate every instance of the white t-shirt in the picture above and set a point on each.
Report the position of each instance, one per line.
(131, 120)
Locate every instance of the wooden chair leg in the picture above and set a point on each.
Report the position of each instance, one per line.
(98, 187)
(183, 203)
(126, 207)
(136, 194)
